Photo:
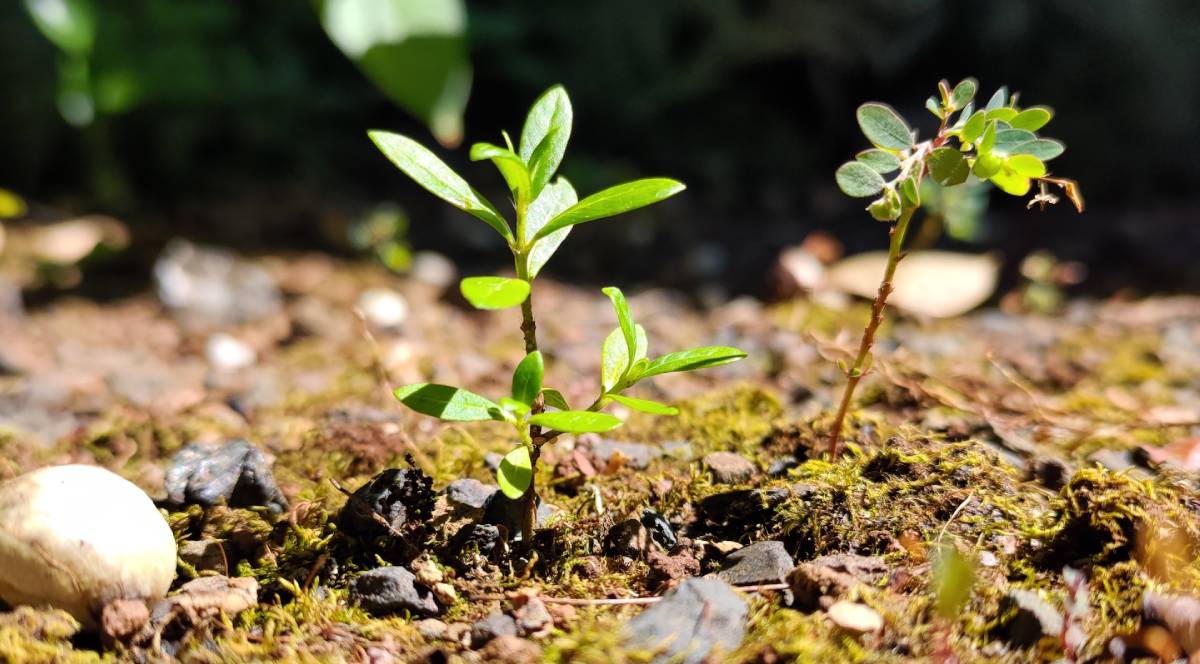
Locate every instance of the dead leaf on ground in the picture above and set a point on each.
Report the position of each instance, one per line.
(939, 284)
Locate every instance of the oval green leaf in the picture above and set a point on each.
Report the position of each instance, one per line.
(546, 133)
(947, 166)
(1033, 118)
(613, 201)
(555, 399)
(436, 177)
(1026, 164)
(691, 360)
(974, 127)
(1007, 139)
(645, 405)
(554, 199)
(881, 161)
(1011, 182)
(447, 403)
(515, 472)
(859, 180)
(998, 99)
(1042, 148)
(494, 292)
(511, 167)
(576, 421)
(963, 93)
(527, 378)
(884, 127)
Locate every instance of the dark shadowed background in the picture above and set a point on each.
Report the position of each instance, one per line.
(239, 122)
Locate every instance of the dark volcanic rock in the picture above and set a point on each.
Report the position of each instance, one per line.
(735, 513)
(470, 494)
(484, 538)
(396, 501)
(494, 625)
(659, 529)
(761, 562)
(236, 474)
(389, 590)
(692, 619)
(626, 538)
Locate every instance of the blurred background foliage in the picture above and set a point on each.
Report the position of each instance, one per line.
(242, 121)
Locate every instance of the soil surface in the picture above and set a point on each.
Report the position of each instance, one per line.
(1015, 487)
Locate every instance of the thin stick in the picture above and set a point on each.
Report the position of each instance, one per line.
(622, 601)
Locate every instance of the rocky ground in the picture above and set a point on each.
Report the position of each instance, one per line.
(1017, 487)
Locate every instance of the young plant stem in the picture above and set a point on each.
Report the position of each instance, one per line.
(855, 372)
(526, 508)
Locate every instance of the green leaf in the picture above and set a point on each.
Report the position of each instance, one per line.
(512, 406)
(691, 360)
(1033, 118)
(953, 577)
(508, 163)
(547, 131)
(527, 378)
(909, 193)
(414, 51)
(859, 180)
(881, 161)
(576, 421)
(965, 115)
(614, 359)
(934, 106)
(515, 472)
(1010, 182)
(623, 317)
(884, 127)
(887, 207)
(554, 198)
(1042, 148)
(555, 399)
(614, 201)
(494, 292)
(999, 98)
(947, 166)
(989, 138)
(447, 403)
(1026, 164)
(963, 93)
(986, 165)
(1005, 114)
(435, 176)
(974, 127)
(69, 24)
(1007, 139)
(641, 344)
(645, 405)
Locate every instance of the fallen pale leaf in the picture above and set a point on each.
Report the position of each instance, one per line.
(939, 284)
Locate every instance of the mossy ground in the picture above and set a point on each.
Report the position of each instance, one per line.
(930, 462)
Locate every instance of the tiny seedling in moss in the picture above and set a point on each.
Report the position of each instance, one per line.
(545, 210)
(997, 143)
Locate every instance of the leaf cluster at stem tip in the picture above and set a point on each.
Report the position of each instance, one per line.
(997, 143)
(545, 208)
(621, 369)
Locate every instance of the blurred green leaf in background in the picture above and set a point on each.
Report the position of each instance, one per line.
(415, 51)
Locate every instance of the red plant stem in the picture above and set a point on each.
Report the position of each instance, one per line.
(855, 373)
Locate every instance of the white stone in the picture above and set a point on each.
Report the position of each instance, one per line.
(383, 307)
(855, 617)
(77, 537)
(228, 353)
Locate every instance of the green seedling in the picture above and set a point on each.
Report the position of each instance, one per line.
(997, 143)
(546, 209)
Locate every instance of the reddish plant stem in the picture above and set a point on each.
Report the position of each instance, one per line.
(856, 371)
(527, 504)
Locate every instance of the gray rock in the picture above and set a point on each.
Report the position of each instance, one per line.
(692, 619)
(729, 468)
(389, 590)
(761, 562)
(207, 286)
(402, 497)
(236, 474)
(205, 554)
(780, 467)
(1032, 618)
(492, 460)
(495, 624)
(659, 529)
(469, 494)
(639, 454)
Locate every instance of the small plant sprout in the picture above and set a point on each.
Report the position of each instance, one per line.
(545, 209)
(997, 143)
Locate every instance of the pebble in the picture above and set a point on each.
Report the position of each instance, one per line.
(433, 269)
(637, 455)
(490, 627)
(383, 308)
(855, 617)
(729, 468)
(659, 529)
(400, 496)
(204, 554)
(761, 562)
(389, 590)
(77, 537)
(693, 619)
(208, 286)
(236, 474)
(226, 352)
(470, 494)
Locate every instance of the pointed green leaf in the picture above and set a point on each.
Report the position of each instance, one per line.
(934, 106)
(527, 378)
(989, 138)
(967, 112)
(953, 577)
(508, 163)
(555, 399)
(645, 405)
(494, 292)
(1033, 118)
(909, 193)
(550, 203)
(974, 127)
(963, 93)
(999, 98)
(947, 166)
(691, 360)
(613, 201)
(881, 161)
(641, 344)
(884, 127)
(509, 405)
(614, 359)
(576, 421)
(547, 131)
(448, 403)
(515, 472)
(436, 177)
(624, 318)
(859, 180)
(1042, 148)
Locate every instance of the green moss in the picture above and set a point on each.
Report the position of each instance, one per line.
(735, 420)
(41, 635)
